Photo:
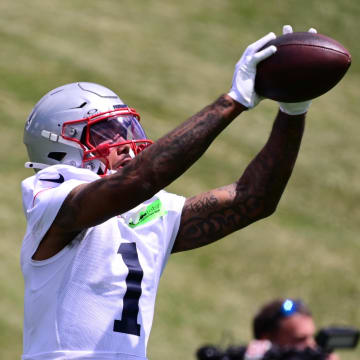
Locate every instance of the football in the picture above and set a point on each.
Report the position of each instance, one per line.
(305, 66)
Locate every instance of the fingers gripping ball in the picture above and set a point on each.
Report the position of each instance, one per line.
(243, 82)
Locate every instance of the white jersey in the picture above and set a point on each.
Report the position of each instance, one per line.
(94, 299)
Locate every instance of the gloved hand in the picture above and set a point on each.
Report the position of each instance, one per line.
(298, 107)
(243, 81)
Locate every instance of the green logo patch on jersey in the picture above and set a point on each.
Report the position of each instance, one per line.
(150, 212)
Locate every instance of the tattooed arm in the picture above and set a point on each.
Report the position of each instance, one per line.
(153, 169)
(158, 165)
(217, 213)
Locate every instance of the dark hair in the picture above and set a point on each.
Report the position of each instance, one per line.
(267, 320)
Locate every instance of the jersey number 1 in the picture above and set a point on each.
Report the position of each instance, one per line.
(128, 323)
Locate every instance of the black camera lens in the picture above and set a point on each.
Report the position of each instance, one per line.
(209, 353)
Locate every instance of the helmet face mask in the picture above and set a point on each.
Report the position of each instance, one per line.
(114, 128)
(77, 124)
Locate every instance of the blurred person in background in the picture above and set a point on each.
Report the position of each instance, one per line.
(100, 227)
(285, 323)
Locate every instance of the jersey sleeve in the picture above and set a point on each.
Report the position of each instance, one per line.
(42, 199)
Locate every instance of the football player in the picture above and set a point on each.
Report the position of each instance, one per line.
(100, 227)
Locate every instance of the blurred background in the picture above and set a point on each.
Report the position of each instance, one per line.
(168, 59)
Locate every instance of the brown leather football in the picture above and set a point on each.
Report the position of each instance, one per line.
(305, 66)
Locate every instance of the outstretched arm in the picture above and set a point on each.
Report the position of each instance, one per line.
(212, 215)
(217, 213)
(163, 162)
(150, 171)
(158, 165)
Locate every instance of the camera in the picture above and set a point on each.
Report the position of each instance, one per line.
(327, 340)
(332, 338)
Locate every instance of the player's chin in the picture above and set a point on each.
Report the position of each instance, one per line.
(122, 164)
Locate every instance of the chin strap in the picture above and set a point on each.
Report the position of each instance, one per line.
(35, 165)
(131, 153)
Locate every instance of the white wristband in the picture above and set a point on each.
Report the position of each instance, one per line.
(295, 108)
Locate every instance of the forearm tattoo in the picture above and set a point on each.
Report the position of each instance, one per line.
(205, 204)
(152, 170)
(173, 154)
(255, 195)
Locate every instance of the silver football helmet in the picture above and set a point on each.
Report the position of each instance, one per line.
(77, 124)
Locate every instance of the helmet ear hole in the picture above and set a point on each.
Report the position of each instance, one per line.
(56, 155)
(83, 136)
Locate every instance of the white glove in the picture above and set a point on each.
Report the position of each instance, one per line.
(243, 81)
(298, 107)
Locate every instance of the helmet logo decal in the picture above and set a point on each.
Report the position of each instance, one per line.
(92, 112)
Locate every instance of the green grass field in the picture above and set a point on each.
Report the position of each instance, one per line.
(168, 59)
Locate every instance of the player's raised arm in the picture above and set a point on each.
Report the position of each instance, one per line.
(173, 154)
(158, 165)
(103, 139)
(135, 179)
(214, 214)
(150, 171)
